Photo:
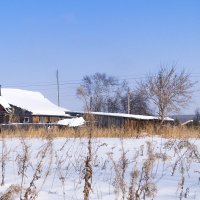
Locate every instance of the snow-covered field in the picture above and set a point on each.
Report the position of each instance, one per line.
(54, 169)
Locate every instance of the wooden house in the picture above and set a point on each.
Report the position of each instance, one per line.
(23, 106)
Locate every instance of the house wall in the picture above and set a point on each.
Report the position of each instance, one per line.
(23, 116)
(103, 121)
(46, 119)
(3, 115)
(20, 115)
(109, 122)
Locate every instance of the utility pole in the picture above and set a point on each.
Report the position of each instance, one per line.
(129, 95)
(58, 87)
(90, 104)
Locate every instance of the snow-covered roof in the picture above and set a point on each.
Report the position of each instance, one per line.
(187, 122)
(139, 117)
(34, 102)
(5, 104)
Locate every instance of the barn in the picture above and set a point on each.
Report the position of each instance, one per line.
(122, 120)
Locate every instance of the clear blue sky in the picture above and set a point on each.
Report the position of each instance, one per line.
(127, 39)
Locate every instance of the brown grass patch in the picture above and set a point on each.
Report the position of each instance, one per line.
(165, 131)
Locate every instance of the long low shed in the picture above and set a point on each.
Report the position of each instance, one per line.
(121, 120)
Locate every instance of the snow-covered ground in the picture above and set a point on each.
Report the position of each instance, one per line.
(170, 169)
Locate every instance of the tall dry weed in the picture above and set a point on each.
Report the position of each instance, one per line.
(3, 158)
(23, 162)
(11, 193)
(41, 170)
(186, 154)
(120, 168)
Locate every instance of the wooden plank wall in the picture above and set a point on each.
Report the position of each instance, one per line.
(46, 119)
(103, 121)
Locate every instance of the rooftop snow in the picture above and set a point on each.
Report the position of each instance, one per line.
(139, 117)
(34, 102)
(5, 104)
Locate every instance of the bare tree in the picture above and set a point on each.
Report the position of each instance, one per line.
(97, 89)
(139, 103)
(168, 90)
(107, 94)
(117, 100)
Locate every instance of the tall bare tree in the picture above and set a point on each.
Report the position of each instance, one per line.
(139, 103)
(107, 94)
(116, 101)
(168, 90)
(97, 88)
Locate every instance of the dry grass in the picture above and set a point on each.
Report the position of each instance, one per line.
(165, 131)
(11, 192)
(180, 132)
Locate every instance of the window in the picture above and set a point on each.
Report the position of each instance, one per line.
(26, 119)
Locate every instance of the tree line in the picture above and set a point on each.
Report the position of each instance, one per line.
(167, 91)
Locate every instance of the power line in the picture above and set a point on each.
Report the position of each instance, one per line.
(39, 85)
(78, 82)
